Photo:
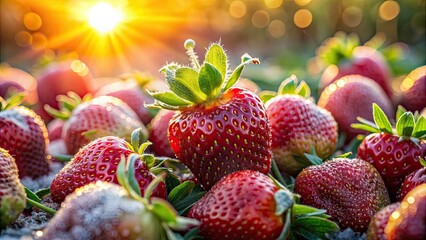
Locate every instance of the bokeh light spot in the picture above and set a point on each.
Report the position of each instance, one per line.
(39, 41)
(389, 10)
(273, 3)
(352, 16)
(79, 67)
(260, 19)
(302, 2)
(23, 39)
(303, 18)
(276, 28)
(32, 21)
(237, 9)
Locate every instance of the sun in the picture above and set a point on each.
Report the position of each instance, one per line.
(104, 17)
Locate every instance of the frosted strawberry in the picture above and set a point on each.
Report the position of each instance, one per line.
(99, 160)
(12, 193)
(24, 135)
(218, 129)
(86, 120)
(395, 152)
(298, 126)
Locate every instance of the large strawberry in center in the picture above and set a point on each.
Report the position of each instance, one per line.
(218, 129)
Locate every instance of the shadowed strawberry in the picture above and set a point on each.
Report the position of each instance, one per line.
(86, 120)
(14, 80)
(414, 90)
(101, 210)
(376, 229)
(351, 190)
(412, 180)
(351, 97)
(54, 129)
(248, 205)
(298, 126)
(409, 220)
(218, 129)
(393, 152)
(158, 133)
(99, 159)
(132, 92)
(345, 57)
(24, 135)
(12, 193)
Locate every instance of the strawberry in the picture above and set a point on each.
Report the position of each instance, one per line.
(351, 97)
(218, 129)
(13, 80)
(98, 160)
(60, 78)
(131, 92)
(12, 193)
(412, 180)
(107, 211)
(297, 126)
(409, 220)
(248, 205)
(376, 229)
(394, 153)
(158, 133)
(24, 135)
(351, 190)
(54, 129)
(91, 119)
(344, 56)
(414, 89)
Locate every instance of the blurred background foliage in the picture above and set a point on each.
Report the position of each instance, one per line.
(284, 34)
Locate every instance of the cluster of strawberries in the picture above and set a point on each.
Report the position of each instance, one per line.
(248, 166)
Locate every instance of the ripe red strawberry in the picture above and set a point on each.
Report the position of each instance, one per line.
(351, 97)
(24, 135)
(12, 193)
(99, 117)
(351, 190)
(412, 180)
(393, 152)
(60, 78)
(131, 92)
(158, 134)
(248, 205)
(297, 126)
(345, 57)
(376, 229)
(409, 220)
(106, 211)
(414, 89)
(98, 160)
(218, 129)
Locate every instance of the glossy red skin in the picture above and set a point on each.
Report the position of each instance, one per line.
(376, 229)
(414, 98)
(109, 116)
(366, 62)
(410, 223)
(412, 180)
(131, 94)
(98, 161)
(297, 125)
(213, 141)
(24, 135)
(158, 134)
(351, 97)
(54, 129)
(240, 206)
(351, 190)
(394, 160)
(59, 79)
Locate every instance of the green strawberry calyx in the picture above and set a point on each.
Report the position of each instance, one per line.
(160, 208)
(301, 221)
(408, 125)
(67, 103)
(13, 101)
(338, 48)
(201, 83)
(290, 85)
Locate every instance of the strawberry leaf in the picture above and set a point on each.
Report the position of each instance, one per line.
(401, 110)
(314, 159)
(14, 100)
(184, 83)
(163, 210)
(43, 192)
(287, 226)
(284, 201)
(216, 56)
(313, 227)
(170, 98)
(63, 157)
(183, 223)
(267, 95)
(131, 174)
(171, 182)
(245, 59)
(31, 195)
(420, 128)
(422, 161)
(180, 192)
(381, 119)
(300, 210)
(183, 206)
(288, 86)
(137, 138)
(209, 79)
(344, 155)
(405, 124)
(303, 90)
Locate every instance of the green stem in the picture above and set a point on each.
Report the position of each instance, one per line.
(194, 58)
(41, 206)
